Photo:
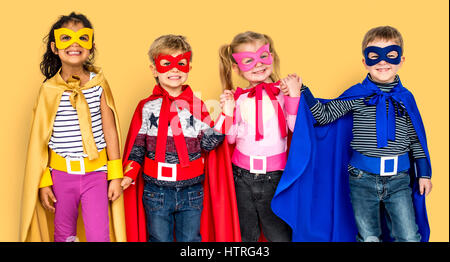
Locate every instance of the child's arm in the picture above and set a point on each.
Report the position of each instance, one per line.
(415, 146)
(227, 103)
(328, 112)
(136, 158)
(211, 137)
(425, 184)
(46, 192)
(45, 195)
(291, 86)
(419, 156)
(115, 173)
(227, 100)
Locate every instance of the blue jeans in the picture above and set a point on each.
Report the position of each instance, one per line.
(169, 208)
(369, 191)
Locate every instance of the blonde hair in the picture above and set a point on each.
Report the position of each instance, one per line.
(170, 42)
(227, 60)
(386, 33)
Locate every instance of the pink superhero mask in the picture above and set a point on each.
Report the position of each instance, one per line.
(247, 60)
(174, 62)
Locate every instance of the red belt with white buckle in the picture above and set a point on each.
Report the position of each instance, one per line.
(173, 172)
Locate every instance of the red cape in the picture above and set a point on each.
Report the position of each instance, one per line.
(219, 220)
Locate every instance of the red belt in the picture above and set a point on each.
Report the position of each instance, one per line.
(173, 172)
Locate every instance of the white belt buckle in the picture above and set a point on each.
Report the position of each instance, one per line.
(69, 166)
(165, 178)
(382, 165)
(264, 164)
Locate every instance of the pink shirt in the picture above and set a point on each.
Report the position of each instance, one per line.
(242, 132)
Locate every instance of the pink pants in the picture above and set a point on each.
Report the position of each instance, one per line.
(91, 190)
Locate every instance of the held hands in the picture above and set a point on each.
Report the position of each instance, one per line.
(291, 85)
(130, 168)
(115, 189)
(227, 102)
(126, 182)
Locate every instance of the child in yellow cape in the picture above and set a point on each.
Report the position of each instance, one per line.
(74, 148)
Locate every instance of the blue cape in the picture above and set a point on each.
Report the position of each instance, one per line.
(313, 195)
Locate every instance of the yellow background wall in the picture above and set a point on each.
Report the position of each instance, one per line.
(320, 40)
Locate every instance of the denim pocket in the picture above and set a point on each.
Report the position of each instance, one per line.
(274, 181)
(355, 173)
(196, 199)
(153, 201)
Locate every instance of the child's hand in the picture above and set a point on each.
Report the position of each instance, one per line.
(115, 189)
(227, 102)
(284, 87)
(126, 182)
(45, 194)
(291, 85)
(425, 186)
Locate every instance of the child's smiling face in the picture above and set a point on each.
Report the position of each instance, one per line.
(174, 78)
(261, 72)
(74, 55)
(383, 72)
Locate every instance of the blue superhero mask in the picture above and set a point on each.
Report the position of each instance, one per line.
(393, 58)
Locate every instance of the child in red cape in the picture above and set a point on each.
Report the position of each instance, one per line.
(177, 175)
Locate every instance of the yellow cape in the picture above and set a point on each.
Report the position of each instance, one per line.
(37, 224)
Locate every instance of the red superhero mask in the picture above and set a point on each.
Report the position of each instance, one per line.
(174, 62)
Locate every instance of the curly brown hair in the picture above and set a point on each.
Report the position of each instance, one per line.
(51, 63)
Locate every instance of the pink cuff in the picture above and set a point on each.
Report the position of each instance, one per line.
(291, 104)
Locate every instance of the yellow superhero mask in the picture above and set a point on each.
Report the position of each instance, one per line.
(64, 37)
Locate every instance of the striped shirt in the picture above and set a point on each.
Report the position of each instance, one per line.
(364, 125)
(66, 138)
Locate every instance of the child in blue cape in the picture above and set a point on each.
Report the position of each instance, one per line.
(367, 168)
